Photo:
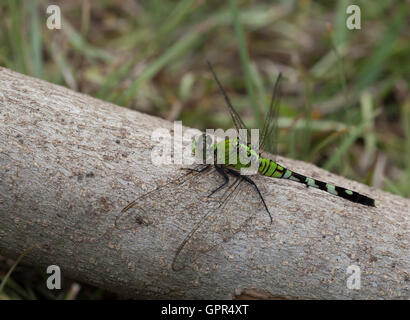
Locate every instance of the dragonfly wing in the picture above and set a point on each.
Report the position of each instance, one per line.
(200, 240)
(237, 121)
(214, 232)
(269, 135)
(127, 218)
(199, 228)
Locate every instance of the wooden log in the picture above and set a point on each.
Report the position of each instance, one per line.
(69, 163)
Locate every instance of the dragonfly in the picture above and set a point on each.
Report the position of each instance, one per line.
(267, 166)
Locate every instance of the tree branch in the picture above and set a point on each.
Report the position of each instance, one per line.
(69, 163)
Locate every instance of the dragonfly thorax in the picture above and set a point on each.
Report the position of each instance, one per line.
(229, 152)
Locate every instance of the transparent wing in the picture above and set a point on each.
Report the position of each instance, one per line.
(190, 247)
(238, 123)
(212, 238)
(205, 225)
(125, 219)
(269, 135)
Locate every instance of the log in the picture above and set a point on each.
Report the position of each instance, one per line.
(69, 163)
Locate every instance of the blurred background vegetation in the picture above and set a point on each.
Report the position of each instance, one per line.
(345, 96)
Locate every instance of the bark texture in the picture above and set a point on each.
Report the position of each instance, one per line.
(69, 163)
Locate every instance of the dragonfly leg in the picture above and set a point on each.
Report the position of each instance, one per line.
(222, 172)
(250, 181)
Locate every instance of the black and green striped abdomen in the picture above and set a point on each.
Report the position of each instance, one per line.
(270, 168)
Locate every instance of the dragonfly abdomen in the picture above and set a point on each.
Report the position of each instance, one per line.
(270, 168)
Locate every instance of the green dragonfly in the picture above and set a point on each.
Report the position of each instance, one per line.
(267, 166)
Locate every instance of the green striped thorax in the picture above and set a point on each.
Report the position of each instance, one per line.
(229, 152)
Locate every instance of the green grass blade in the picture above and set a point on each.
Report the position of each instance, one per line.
(106, 92)
(4, 280)
(260, 88)
(177, 16)
(374, 65)
(393, 187)
(16, 35)
(341, 32)
(81, 45)
(152, 69)
(245, 61)
(326, 142)
(343, 148)
(405, 111)
(35, 35)
(368, 117)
